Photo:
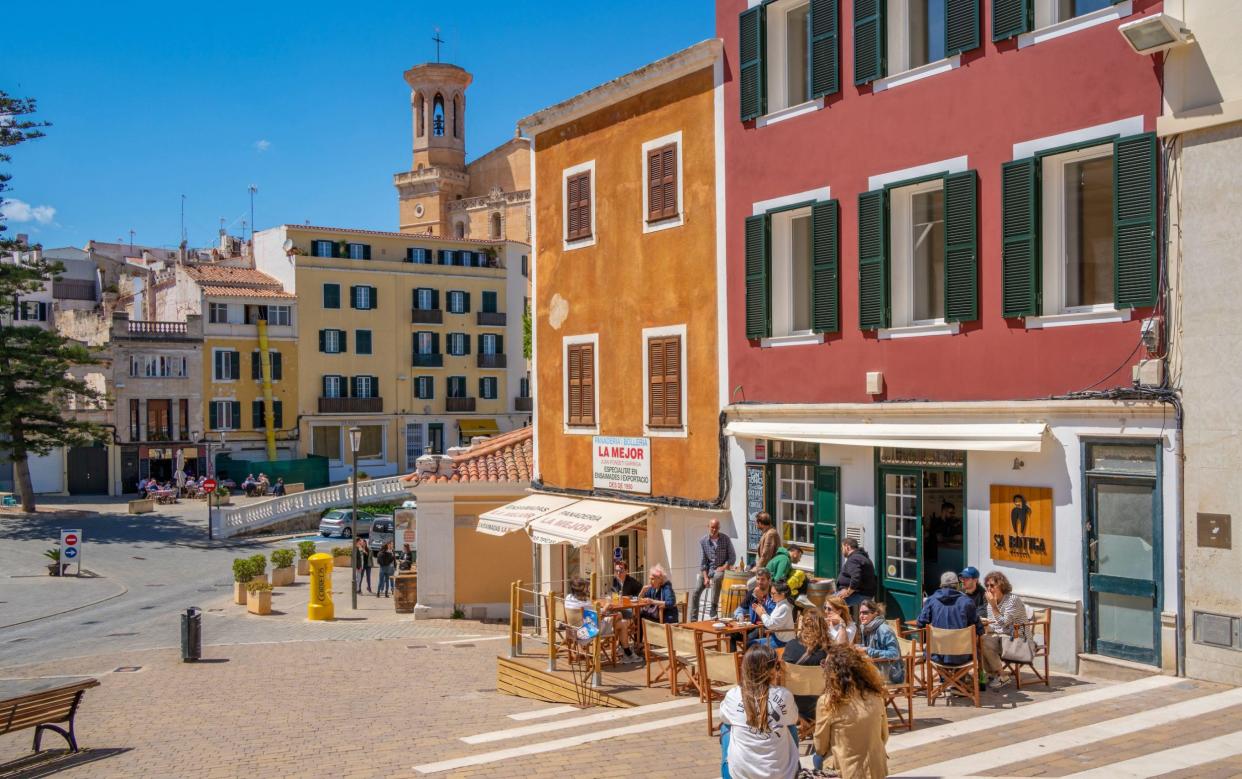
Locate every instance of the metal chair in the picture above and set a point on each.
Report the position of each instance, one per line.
(943, 678)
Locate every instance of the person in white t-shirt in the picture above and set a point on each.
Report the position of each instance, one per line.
(759, 730)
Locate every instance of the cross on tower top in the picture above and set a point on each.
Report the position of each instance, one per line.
(438, 41)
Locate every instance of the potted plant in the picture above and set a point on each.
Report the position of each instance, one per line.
(259, 597)
(221, 496)
(305, 550)
(340, 556)
(243, 572)
(259, 561)
(282, 567)
(53, 568)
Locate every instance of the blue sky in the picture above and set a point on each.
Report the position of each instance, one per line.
(304, 100)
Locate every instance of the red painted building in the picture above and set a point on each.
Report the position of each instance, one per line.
(942, 219)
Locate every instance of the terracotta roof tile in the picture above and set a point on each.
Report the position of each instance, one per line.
(508, 457)
(221, 274)
(220, 291)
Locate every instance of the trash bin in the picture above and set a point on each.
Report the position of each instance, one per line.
(191, 635)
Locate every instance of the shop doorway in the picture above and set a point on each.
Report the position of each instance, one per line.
(1123, 551)
(88, 470)
(919, 524)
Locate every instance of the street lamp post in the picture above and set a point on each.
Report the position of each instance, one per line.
(355, 440)
(211, 471)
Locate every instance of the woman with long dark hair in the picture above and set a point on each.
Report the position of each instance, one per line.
(851, 723)
(759, 730)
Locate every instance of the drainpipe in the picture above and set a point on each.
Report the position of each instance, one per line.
(269, 414)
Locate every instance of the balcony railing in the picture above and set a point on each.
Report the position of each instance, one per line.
(428, 360)
(522, 404)
(157, 329)
(433, 316)
(459, 404)
(351, 405)
(73, 289)
(491, 319)
(492, 361)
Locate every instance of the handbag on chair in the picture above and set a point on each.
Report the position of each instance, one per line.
(1017, 650)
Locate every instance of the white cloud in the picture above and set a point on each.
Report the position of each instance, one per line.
(262, 144)
(21, 211)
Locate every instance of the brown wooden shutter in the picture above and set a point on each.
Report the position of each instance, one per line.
(669, 180)
(578, 206)
(664, 381)
(573, 367)
(662, 182)
(587, 367)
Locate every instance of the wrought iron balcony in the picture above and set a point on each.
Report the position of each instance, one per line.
(492, 319)
(351, 405)
(492, 361)
(432, 316)
(523, 404)
(459, 404)
(428, 360)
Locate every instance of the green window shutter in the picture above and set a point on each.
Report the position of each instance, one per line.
(353, 297)
(758, 316)
(961, 26)
(236, 404)
(1135, 161)
(752, 76)
(489, 302)
(435, 343)
(235, 365)
(362, 341)
(276, 367)
(278, 416)
(213, 417)
(500, 344)
(961, 247)
(873, 260)
(825, 267)
(256, 367)
(256, 413)
(869, 40)
(1020, 255)
(331, 295)
(353, 386)
(1010, 18)
(323, 341)
(435, 300)
(366, 251)
(825, 57)
(465, 342)
(374, 291)
(466, 298)
(342, 340)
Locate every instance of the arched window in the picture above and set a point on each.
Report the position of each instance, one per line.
(458, 118)
(461, 229)
(420, 106)
(496, 225)
(437, 116)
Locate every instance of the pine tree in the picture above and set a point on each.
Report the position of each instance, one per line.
(35, 385)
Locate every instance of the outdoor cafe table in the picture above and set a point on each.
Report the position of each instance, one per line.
(163, 496)
(707, 628)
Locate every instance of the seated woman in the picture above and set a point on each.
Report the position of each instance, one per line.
(1006, 611)
(808, 647)
(759, 722)
(841, 627)
(851, 724)
(779, 620)
(659, 588)
(579, 597)
(880, 642)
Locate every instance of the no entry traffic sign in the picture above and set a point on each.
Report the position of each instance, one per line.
(71, 549)
(209, 485)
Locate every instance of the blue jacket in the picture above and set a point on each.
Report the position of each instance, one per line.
(664, 593)
(949, 609)
(881, 644)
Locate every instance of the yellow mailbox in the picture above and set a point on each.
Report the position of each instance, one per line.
(320, 606)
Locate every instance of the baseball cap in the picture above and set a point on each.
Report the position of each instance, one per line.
(969, 572)
(948, 579)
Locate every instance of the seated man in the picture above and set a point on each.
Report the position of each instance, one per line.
(279, 489)
(761, 595)
(950, 609)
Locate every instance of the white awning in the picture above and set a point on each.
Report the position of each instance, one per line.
(583, 521)
(514, 516)
(972, 436)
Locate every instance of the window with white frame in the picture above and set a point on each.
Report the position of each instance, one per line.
(359, 251)
(456, 302)
(226, 365)
(487, 387)
(424, 387)
(218, 313)
(364, 387)
(578, 205)
(333, 386)
(414, 443)
(1049, 12)
(322, 248)
(225, 420)
(791, 272)
(424, 299)
(332, 340)
(795, 502)
(915, 33)
(787, 47)
(488, 343)
(424, 342)
(457, 344)
(918, 245)
(159, 366)
(1078, 231)
(280, 315)
(456, 387)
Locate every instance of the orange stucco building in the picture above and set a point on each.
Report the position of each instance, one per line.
(627, 354)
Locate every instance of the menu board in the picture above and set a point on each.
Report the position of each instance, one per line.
(756, 493)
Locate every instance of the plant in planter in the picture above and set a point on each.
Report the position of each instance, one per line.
(221, 496)
(259, 561)
(340, 556)
(305, 550)
(259, 597)
(243, 572)
(282, 567)
(53, 568)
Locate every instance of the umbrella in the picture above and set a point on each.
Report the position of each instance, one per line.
(181, 462)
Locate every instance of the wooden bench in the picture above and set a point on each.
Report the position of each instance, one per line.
(42, 704)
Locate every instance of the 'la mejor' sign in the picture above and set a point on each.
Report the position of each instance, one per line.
(622, 463)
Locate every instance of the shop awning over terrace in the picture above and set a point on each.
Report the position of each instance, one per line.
(560, 519)
(971, 436)
(516, 515)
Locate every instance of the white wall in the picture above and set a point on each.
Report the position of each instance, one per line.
(433, 535)
(270, 257)
(47, 472)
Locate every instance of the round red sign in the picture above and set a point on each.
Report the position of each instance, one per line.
(209, 485)
(71, 539)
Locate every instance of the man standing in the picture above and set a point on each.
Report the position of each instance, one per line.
(857, 580)
(718, 555)
(769, 542)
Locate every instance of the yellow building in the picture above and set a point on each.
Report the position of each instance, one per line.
(416, 340)
(441, 194)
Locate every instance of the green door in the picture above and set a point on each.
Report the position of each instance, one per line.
(901, 541)
(827, 521)
(1123, 552)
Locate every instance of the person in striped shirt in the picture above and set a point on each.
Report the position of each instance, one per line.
(1005, 611)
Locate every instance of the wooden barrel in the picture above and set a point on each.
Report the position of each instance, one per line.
(819, 590)
(732, 591)
(405, 592)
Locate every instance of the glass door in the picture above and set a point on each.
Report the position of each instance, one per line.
(901, 532)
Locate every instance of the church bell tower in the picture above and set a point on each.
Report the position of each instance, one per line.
(437, 174)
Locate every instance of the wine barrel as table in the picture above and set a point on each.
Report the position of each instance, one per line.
(405, 591)
(818, 591)
(732, 591)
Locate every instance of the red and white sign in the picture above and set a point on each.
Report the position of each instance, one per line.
(620, 463)
(71, 549)
(209, 485)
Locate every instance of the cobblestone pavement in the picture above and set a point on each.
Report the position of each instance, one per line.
(426, 705)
